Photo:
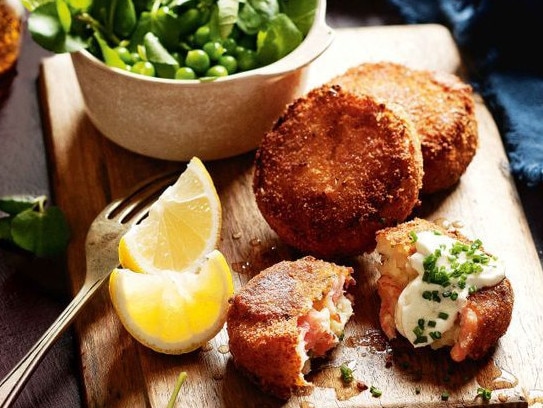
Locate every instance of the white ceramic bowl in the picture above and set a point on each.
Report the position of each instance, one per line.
(178, 119)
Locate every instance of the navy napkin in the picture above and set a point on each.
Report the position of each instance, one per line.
(500, 41)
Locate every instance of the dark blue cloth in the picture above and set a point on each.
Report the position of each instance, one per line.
(500, 41)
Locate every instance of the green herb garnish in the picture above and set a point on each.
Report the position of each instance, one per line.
(33, 227)
(346, 373)
(445, 396)
(128, 34)
(484, 393)
(375, 392)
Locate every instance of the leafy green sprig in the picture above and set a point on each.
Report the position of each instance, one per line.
(30, 225)
(130, 34)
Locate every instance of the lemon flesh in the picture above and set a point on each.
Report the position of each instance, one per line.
(182, 227)
(171, 292)
(174, 313)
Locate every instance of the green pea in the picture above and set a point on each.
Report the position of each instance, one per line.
(217, 71)
(185, 73)
(188, 21)
(229, 62)
(229, 45)
(198, 60)
(247, 60)
(201, 36)
(143, 68)
(214, 49)
(238, 50)
(124, 54)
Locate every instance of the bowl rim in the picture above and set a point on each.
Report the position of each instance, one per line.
(317, 40)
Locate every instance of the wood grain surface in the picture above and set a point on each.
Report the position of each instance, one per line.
(88, 171)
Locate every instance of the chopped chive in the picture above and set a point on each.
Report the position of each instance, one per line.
(484, 393)
(421, 339)
(445, 396)
(432, 323)
(346, 373)
(418, 331)
(454, 296)
(417, 390)
(436, 335)
(443, 315)
(413, 236)
(420, 323)
(375, 392)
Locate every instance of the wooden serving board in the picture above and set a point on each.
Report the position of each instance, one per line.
(88, 171)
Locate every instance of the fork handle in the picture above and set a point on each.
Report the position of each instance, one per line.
(11, 385)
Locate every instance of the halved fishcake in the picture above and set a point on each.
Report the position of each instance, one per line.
(288, 313)
(439, 288)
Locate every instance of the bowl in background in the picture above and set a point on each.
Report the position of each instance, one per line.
(178, 119)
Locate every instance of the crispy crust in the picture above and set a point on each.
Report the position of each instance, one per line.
(262, 321)
(335, 168)
(493, 309)
(490, 309)
(441, 106)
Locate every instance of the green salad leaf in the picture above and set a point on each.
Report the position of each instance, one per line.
(33, 227)
(14, 204)
(165, 64)
(163, 32)
(279, 39)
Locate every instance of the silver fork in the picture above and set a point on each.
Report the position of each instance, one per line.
(101, 248)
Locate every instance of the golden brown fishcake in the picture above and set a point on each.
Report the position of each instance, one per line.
(482, 321)
(265, 321)
(334, 169)
(441, 106)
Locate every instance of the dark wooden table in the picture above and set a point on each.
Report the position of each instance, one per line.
(34, 292)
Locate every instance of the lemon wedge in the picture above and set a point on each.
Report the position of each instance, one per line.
(172, 289)
(173, 313)
(182, 227)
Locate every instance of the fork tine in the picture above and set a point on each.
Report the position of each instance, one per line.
(134, 206)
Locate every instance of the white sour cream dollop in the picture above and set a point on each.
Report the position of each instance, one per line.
(448, 271)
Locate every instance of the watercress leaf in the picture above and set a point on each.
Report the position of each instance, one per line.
(178, 3)
(143, 27)
(279, 39)
(142, 5)
(64, 15)
(80, 4)
(228, 15)
(31, 5)
(46, 30)
(5, 229)
(43, 233)
(124, 18)
(301, 12)
(14, 204)
(214, 24)
(111, 57)
(166, 26)
(249, 21)
(165, 64)
(45, 27)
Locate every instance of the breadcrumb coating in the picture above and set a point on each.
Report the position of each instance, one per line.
(441, 106)
(334, 169)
